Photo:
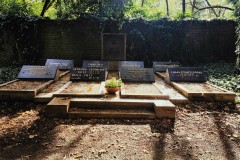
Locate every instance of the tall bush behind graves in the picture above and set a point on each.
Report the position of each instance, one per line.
(18, 35)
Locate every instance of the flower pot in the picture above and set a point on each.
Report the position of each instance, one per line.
(112, 90)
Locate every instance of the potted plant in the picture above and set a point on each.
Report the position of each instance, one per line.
(113, 85)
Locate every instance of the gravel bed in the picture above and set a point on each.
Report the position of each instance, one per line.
(83, 87)
(141, 88)
(23, 85)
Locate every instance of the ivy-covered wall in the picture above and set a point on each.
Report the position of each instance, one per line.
(189, 42)
(18, 40)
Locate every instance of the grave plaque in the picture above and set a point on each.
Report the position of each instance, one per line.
(114, 46)
(186, 74)
(163, 66)
(37, 72)
(137, 75)
(88, 74)
(130, 64)
(95, 64)
(60, 63)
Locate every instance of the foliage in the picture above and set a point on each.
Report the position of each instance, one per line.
(8, 74)
(116, 9)
(222, 74)
(149, 10)
(20, 7)
(113, 83)
(180, 15)
(236, 3)
(23, 31)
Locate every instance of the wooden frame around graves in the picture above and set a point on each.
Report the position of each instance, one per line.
(124, 94)
(99, 94)
(222, 95)
(58, 77)
(8, 94)
(47, 97)
(174, 96)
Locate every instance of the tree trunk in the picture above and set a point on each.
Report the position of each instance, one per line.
(143, 2)
(193, 4)
(167, 8)
(183, 7)
(46, 3)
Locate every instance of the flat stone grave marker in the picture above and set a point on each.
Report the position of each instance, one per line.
(162, 66)
(37, 72)
(95, 64)
(130, 64)
(60, 63)
(186, 74)
(137, 75)
(88, 74)
(114, 46)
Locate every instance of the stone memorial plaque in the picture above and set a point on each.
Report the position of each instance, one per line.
(95, 64)
(163, 66)
(60, 63)
(88, 74)
(114, 46)
(137, 75)
(130, 64)
(37, 72)
(186, 74)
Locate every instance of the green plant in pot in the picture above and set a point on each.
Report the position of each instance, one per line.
(113, 85)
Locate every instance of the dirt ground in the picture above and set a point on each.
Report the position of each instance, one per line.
(200, 131)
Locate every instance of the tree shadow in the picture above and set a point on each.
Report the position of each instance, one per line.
(29, 142)
(181, 147)
(218, 110)
(225, 139)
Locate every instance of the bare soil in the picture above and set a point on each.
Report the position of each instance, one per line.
(23, 85)
(141, 88)
(200, 131)
(83, 87)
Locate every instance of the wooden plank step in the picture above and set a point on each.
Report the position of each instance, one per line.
(59, 107)
(98, 104)
(109, 113)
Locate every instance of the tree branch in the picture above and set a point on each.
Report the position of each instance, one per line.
(213, 10)
(222, 7)
(210, 7)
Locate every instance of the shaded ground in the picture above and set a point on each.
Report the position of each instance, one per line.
(200, 131)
